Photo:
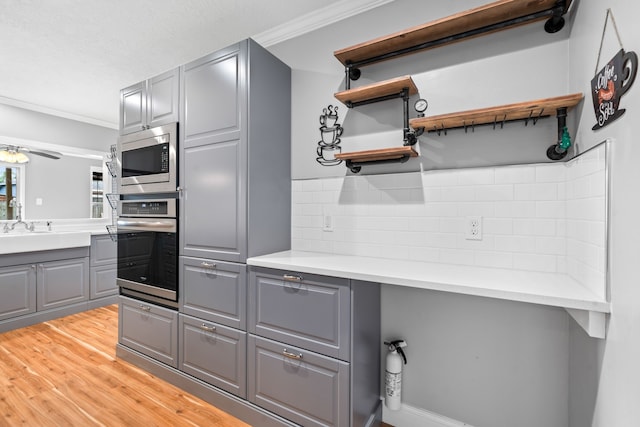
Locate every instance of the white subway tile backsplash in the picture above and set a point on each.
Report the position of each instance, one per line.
(546, 217)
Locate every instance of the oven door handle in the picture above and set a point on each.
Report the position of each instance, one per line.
(155, 224)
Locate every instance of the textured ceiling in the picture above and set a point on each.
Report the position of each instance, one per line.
(73, 56)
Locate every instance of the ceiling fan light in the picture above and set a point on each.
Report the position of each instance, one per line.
(13, 157)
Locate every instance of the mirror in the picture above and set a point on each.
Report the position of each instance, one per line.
(72, 187)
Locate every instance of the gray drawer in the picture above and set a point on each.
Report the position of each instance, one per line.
(149, 329)
(214, 353)
(312, 313)
(214, 290)
(311, 389)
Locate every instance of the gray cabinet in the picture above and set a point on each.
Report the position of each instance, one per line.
(314, 347)
(149, 329)
(305, 310)
(103, 267)
(235, 154)
(214, 353)
(305, 387)
(61, 283)
(214, 291)
(17, 290)
(150, 103)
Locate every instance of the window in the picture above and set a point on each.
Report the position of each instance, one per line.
(11, 187)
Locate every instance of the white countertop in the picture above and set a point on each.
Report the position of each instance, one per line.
(557, 290)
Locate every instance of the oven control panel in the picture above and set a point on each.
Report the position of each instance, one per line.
(165, 208)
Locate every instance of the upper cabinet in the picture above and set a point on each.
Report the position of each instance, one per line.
(150, 103)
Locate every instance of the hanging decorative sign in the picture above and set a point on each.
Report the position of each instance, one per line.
(612, 81)
(330, 131)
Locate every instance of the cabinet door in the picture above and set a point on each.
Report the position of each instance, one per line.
(214, 353)
(62, 282)
(104, 250)
(17, 291)
(214, 290)
(149, 329)
(213, 157)
(133, 108)
(103, 281)
(162, 98)
(305, 310)
(213, 203)
(307, 388)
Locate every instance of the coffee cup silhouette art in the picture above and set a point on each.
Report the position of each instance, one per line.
(330, 131)
(609, 84)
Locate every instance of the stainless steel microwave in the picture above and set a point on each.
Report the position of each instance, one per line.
(148, 160)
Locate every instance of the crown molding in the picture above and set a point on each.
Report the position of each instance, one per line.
(317, 19)
(53, 112)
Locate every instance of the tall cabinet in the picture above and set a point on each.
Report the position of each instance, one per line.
(235, 181)
(235, 155)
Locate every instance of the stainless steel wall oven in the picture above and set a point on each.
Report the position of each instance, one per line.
(148, 250)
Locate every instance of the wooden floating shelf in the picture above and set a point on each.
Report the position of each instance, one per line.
(519, 111)
(377, 90)
(460, 26)
(382, 154)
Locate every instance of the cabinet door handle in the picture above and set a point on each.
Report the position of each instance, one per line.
(209, 265)
(290, 355)
(206, 328)
(292, 278)
(144, 307)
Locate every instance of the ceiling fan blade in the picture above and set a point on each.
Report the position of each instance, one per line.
(44, 153)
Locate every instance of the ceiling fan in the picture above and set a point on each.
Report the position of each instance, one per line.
(15, 154)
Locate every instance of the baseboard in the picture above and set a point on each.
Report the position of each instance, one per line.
(409, 416)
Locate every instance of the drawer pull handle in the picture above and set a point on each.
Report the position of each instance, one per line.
(144, 307)
(291, 355)
(208, 265)
(206, 328)
(292, 278)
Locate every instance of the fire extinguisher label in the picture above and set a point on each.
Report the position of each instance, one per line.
(393, 384)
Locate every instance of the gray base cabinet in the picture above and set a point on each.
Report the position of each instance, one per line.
(61, 283)
(300, 385)
(214, 353)
(104, 268)
(17, 291)
(149, 329)
(314, 347)
(40, 286)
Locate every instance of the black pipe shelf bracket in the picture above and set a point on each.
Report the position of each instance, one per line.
(496, 16)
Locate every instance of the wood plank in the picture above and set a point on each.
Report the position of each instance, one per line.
(377, 90)
(469, 20)
(520, 110)
(379, 154)
(65, 372)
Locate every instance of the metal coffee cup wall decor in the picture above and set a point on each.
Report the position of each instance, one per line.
(330, 132)
(609, 84)
(612, 81)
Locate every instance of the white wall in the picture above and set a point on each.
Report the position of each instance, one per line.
(605, 390)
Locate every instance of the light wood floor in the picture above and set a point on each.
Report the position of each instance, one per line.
(65, 373)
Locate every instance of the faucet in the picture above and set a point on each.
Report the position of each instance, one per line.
(14, 203)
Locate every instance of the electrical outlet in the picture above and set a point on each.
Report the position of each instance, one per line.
(327, 221)
(473, 230)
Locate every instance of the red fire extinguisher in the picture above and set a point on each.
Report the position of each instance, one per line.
(393, 373)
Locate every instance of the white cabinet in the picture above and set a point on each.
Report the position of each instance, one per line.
(150, 103)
